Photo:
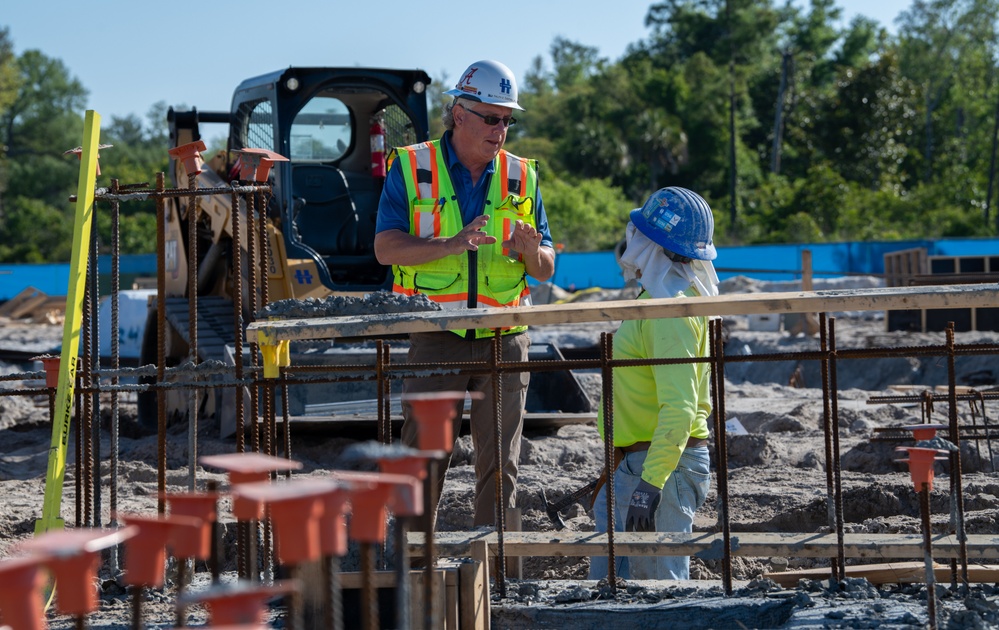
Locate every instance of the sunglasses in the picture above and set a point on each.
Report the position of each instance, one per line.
(492, 121)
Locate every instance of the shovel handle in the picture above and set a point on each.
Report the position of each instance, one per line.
(576, 495)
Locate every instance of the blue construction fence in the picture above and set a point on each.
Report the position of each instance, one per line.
(584, 270)
(53, 278)
(774, 262)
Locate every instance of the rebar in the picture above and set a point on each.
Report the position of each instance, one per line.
(931, 586)
(137, 595)
(334, 600)
(369, 594)
(161, 219)
(827, 433)
(286, 424)
(403, 605)
(115, 364)
(181, 586)
(192, 326)
(78, 476)
(429, 550)
(383, 417)
(495, 376)
(161, 194)
(87, 434)
(92, 360)
(214, 563)
(956, 483)
(251, 289)
(836, 463)
(721, 448)
(606, 352)
(242, 529)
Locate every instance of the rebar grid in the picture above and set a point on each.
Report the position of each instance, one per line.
(383, 372)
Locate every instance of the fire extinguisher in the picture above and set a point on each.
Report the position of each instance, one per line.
(377, 148)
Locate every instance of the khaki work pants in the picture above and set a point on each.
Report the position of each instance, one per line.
(438, 347)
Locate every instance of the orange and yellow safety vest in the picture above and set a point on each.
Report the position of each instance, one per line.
(494, 276)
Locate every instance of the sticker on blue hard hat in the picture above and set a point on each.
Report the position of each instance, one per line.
(666, 220)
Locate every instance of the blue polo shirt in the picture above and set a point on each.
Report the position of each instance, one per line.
(393, 207)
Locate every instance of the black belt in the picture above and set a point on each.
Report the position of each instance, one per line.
(692, 442)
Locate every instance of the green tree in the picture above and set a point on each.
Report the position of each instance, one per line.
(585, 215)
(863, 128)
(40, 124)
(9, 84)
(947, 49)
(37, 126)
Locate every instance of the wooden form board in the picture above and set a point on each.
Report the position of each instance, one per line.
(709, 545)
(877, 299)
(462, 593)
(902, 265)
(889, 573)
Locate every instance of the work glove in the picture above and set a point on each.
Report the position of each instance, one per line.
(642, 509)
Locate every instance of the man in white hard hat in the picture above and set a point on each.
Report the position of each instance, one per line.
(461, 221)
(661, 412)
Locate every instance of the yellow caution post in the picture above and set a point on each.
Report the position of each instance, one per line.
(51, 517)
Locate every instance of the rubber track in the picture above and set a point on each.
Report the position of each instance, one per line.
(215, 324)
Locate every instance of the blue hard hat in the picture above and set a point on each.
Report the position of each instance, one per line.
(679, 220)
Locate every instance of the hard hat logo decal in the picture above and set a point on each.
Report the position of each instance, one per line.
(506, 86)
(465, 83)
(666, 220)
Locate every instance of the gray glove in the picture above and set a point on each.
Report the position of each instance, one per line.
(642, 509)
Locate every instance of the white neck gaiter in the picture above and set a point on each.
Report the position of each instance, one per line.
(660, 276)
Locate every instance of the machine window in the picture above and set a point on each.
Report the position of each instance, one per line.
(259, 125)
(321, 131)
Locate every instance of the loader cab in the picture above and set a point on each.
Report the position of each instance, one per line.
(326, 195)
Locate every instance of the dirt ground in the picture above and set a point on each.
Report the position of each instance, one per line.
(777, 479)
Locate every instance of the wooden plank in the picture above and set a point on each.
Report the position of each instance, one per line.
(451, 614)
(28, 306)
(889, 573)
(874, 299)
(480, 596)
(709, 546)
(901, 265)
(379, 579)
(445, 580)
(7, 307)
(472, 597)
(514, 523)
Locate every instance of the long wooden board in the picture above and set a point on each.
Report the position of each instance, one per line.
(889, 573)
(877, 299)
(709, 546)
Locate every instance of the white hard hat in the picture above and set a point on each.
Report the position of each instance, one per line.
(487, 81)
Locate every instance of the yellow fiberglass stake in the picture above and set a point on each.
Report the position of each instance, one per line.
(51, 518)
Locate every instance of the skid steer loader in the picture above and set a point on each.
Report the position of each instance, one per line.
(334, 125)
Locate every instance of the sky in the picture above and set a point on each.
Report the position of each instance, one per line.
(131, 54)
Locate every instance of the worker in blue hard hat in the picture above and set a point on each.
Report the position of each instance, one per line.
(661, 412)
